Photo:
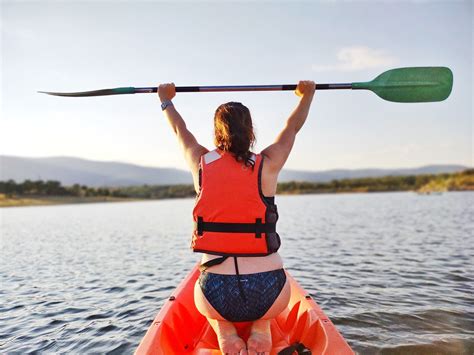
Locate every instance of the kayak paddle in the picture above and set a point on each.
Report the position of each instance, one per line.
(415, 84)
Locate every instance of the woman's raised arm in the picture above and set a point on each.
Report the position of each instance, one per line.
(277, 153)
(191, 148)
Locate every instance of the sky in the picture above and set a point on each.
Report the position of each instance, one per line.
(86, 45)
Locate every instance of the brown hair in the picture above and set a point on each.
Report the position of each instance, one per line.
(233, 131)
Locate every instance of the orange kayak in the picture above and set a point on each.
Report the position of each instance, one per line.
(180, 329)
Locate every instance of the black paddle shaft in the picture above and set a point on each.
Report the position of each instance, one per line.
(148, 90)
(245, 88)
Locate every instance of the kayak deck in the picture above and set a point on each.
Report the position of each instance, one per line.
(179, 328)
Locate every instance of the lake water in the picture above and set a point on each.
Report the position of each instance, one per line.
(393, 271)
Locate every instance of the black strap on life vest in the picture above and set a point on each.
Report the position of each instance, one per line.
(258, 227)
(239, 281)
(212, 262)
(220, 260)
(299, 348)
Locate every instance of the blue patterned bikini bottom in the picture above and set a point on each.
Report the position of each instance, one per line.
(244, 297)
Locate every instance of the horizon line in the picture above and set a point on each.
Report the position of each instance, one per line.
(287, 169)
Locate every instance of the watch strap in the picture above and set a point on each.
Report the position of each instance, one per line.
(165, 104)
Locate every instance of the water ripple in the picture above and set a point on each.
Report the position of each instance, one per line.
(393, 271)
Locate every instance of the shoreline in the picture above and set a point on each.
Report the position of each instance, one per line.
(45, 193)
(29, 201)
(7, 202)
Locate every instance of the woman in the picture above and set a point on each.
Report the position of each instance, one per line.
(242, 277)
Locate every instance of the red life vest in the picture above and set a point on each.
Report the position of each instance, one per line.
(231, 215)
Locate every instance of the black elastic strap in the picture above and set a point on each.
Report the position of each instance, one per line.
(212, 262)
(298, 347)
(220, 260)
(239, 281)
(258, 227)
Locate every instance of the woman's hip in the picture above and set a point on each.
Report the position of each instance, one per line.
(244, 297)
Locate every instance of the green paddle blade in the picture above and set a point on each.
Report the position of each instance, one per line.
(417, 84)
(103, 92)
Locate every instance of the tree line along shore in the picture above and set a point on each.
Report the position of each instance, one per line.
(41, 192)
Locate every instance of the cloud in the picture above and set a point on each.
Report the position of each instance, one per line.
(358, 58)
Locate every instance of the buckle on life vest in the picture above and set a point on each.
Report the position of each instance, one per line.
(199, 226)
(257, 228)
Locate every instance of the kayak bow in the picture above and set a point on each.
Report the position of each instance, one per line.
(179, 328)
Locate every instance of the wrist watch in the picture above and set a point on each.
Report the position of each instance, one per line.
(165, 104)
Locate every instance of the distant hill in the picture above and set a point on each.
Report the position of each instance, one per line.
(328, 175)
(70, 171)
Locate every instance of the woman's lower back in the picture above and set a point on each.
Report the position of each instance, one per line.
(247, 265)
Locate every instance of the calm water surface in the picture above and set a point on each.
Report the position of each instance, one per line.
(393, 271)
